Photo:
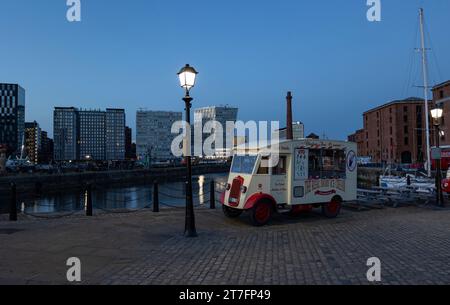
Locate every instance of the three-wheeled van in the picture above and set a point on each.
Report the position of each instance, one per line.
(309, 174)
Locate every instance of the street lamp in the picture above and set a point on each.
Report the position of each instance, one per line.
(437, 114)
(187, 76)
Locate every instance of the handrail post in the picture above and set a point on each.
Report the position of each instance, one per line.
(89, 207)
(13, 203)
(212, 195)
(155, 197)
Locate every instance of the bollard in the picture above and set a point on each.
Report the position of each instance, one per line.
(13, 203)
(212, 196)
(89, 207)
(155, 198)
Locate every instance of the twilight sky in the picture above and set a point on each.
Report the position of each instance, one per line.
(249, 53)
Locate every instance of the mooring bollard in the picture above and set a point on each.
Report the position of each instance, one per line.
(155, 197)
(212, 195)
(13, 203)
(89, 206)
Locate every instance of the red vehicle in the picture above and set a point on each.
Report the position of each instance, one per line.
(446, 184)
(445, 158)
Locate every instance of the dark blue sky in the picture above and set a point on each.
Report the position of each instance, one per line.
(249, 53)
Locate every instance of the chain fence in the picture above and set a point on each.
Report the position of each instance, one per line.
(62, 209)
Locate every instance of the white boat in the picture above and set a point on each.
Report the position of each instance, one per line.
(18, 163)
(420, 184)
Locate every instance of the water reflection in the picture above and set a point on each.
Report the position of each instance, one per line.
(133, 197)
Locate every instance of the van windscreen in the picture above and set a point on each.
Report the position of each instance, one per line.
(243, 164)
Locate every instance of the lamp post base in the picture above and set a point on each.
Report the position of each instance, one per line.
(190, 234)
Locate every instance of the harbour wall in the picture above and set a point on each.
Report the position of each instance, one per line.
(51, 183)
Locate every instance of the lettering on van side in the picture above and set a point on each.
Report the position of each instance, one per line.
(314, 185)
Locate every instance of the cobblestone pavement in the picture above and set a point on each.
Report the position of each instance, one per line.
(412, 243)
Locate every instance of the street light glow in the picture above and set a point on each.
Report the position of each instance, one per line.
(437, 113)
(187, 77)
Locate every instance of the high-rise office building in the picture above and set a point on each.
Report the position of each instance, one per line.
(46, 153)
(115, 134)
(92, 135)
(12, 117)
(81, 134)
(33, 141)
(220, 114)
(65, 133)
(129, 153)
(153, 134)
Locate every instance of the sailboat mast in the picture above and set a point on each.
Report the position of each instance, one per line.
(425, 86)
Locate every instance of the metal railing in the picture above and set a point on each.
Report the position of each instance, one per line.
(87, 207)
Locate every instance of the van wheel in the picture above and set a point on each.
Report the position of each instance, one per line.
(261, 213)
(333, 208)
(230, 212)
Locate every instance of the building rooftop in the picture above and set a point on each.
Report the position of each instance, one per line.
(293, 124)
(217, 107)
(444, 84)
(408, 100)
(65, 108)
(144, 110)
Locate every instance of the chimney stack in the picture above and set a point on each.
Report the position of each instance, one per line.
(289, 131)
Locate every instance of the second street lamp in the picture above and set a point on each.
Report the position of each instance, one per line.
(437, 114)
(187, 76)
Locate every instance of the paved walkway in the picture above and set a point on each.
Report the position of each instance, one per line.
(413, 245)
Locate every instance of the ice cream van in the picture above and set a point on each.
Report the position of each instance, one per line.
(310, 173)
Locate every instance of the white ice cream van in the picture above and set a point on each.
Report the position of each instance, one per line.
(310, 173)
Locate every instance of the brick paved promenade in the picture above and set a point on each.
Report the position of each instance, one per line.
(145, 248)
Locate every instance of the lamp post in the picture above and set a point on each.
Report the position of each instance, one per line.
(187, 77)
(437, 114)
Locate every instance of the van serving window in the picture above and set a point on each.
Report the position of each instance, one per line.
(327, 164)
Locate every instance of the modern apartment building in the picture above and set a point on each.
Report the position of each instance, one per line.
(153, 134)
(33, 141)
(92, 135)
(115, 134)
(46, 152)
(129, 154)
(12, 117)
(220, 114)
(81, 134)
(65, 133)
